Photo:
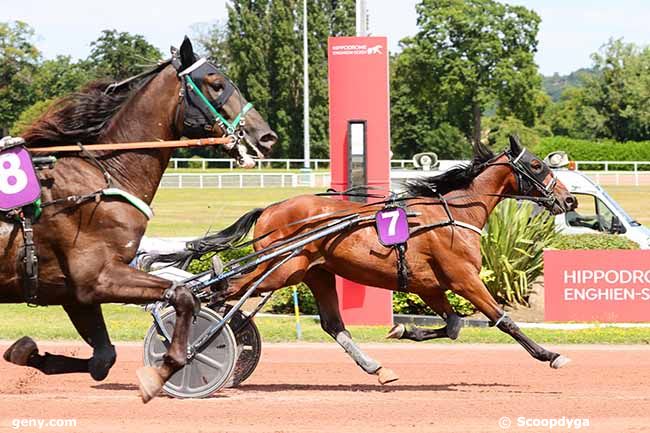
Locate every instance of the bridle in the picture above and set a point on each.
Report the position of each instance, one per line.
(529, 179)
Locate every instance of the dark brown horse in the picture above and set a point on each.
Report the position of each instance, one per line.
(84, 247)
(442, 256)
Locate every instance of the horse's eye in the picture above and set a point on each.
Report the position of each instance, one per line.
(536, 166)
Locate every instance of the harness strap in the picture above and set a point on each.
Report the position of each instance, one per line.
(447, 223)
(29, 261)
(108, 192)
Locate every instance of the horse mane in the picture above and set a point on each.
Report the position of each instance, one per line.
(85, 115)
(458, 177)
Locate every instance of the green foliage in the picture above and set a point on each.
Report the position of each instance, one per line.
(512, 248)
(18, 61)
(556, 84)
(501, 129)
(118, 55)
(264, 42)
(410, 303)
(612, 102)
(30, 115)
(590, 150)
(211, 41)
(594, 242)
(468, 55)
(281, 301)
(58, 77)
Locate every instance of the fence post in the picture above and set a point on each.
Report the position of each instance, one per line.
(219, 185)
(262, 180)
(175, 164)
(180, 181)
(230, 163)
(201, 181)
(241, 180)
(636, 174)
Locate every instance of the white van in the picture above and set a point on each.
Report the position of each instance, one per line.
(597, 211)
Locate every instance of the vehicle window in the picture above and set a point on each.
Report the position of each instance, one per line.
(605, 216)
(586, 215)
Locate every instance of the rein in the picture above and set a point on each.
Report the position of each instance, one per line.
(210, 141)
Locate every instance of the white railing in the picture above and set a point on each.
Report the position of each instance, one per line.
(245, 180)
(229, 163)
(316, 164)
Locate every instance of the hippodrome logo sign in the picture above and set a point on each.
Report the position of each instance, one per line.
(604, 286)
(357, 50)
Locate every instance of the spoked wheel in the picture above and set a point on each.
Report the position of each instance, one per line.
(249, 347)
(211, 367)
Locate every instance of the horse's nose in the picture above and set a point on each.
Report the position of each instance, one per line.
(571, 202)
(268, 139)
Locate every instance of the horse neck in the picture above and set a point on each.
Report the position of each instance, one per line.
(477, 207)
(148, 117)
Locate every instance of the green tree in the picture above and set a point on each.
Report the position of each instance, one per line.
(18, 60)
(29, 116)
(119, 55)
(467, 56)
(212, 42)
(285, 75)
(612, 101)
(58, 77)
(615, 99)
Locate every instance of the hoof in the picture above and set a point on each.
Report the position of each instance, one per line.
(386, 376)
(19, 352)
(560, 362)
(150, 382)
(397, 331)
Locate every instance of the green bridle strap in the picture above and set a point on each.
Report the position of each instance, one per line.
(231, 127)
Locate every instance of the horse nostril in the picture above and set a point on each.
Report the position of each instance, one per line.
(571, 202)
(269, 139)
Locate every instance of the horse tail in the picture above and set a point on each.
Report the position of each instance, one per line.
(219, 241)
(228, 237)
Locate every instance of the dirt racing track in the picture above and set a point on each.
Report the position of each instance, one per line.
(317, 388)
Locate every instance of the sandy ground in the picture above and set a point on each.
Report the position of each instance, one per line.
(316, 388)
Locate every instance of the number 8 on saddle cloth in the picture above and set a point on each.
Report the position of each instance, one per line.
(19, 184)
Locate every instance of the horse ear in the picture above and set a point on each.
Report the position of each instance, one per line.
(515, 144)
(187, 53)
(173, 50)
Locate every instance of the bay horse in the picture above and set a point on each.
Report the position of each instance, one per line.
(85, 246)
(443, 252)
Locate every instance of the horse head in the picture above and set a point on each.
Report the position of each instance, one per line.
(213, 105)
(534, 179)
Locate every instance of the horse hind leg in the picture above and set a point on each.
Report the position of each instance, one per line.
(322, 284)
(89, 322)
(438, 302)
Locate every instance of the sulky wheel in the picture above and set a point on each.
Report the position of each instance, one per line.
(249, 346)
(211, 367)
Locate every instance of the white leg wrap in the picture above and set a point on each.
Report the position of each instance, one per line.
(368, 364)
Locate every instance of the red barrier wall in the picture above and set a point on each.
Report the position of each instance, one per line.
(358, 90)
(601, 286)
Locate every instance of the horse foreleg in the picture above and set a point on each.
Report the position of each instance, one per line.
(437, 301)
(89, 322)
(475, 291)
(322, 284)
(119, 283)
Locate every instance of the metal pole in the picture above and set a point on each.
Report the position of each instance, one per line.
(305, 57)
(362, 18)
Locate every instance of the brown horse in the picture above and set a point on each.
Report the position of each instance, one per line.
(440, 255)
(84, 246)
